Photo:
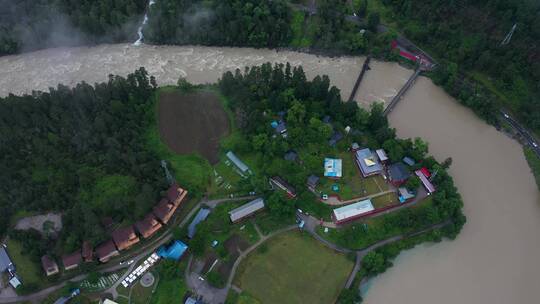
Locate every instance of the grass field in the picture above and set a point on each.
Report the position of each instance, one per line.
(29, 271)
(295, 268)
(352, 184)
(385, 200)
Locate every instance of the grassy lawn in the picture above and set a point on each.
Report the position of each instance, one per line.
(169, 291)
(385, 200)
(352, 184)
(140, 294)
(29, 271)
(268, 224)
(295, 268)
(224, 180)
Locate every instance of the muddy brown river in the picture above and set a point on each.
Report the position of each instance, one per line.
(493, 260)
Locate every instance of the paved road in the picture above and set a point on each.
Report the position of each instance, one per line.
(531, 141)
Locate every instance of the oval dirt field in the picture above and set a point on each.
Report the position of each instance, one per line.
(192, 123)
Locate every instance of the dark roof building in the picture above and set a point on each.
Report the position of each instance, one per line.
(49, 265)
(291, 155)
(246, 210)
(72, 261)
(106, 251)
(409, 161)
(283, 185)
(398, 174)
(87, 252)
(148, 226)
(5, 262)
(125, 237)
(336, 137)
(199, 217)
(312, 182)
(164, 210)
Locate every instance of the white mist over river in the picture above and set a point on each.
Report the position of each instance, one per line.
(493, 260)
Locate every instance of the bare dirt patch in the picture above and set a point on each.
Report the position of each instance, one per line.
(192, 123)
(37, 222)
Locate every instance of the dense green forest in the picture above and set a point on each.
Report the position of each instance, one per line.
(80, 151)
(27, 25)
(468, 36)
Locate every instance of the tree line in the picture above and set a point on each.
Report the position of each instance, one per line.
(82, 152)
(468, 36)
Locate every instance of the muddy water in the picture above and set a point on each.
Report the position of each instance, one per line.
(42, 69)
(381, 83)
(495, 258)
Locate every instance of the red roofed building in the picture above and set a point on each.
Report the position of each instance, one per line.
(72, 261)
(125, 237)
(148, 226)
(106, 251)
(49, 265)
(164, 210)
(425, 171)
(175, 194)
(87, 252)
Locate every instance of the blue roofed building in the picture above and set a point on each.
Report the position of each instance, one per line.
(201, 216)
(333, 167)
(174, 251)
(409, 161)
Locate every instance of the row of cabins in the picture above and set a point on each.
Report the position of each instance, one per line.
(122, 238)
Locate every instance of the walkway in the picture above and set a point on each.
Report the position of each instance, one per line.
(334, 201)
(365, 67)
(212, 295)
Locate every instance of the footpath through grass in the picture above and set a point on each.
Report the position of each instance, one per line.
(294, 268)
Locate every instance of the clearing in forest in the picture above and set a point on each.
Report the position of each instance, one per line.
(294, 268)
(192, 122)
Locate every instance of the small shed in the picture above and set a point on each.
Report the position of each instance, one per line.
(15, 282)
(312, 182)
(49, 265)
(381, 154)
(336, 137)
(404, 195)
(409, 161)
(291, 155)
(199, 217)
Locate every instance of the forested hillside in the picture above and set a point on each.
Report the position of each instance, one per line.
(81, 152)
(27, 25)
(468, 36)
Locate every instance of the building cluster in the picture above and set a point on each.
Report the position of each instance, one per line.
(121, 238)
